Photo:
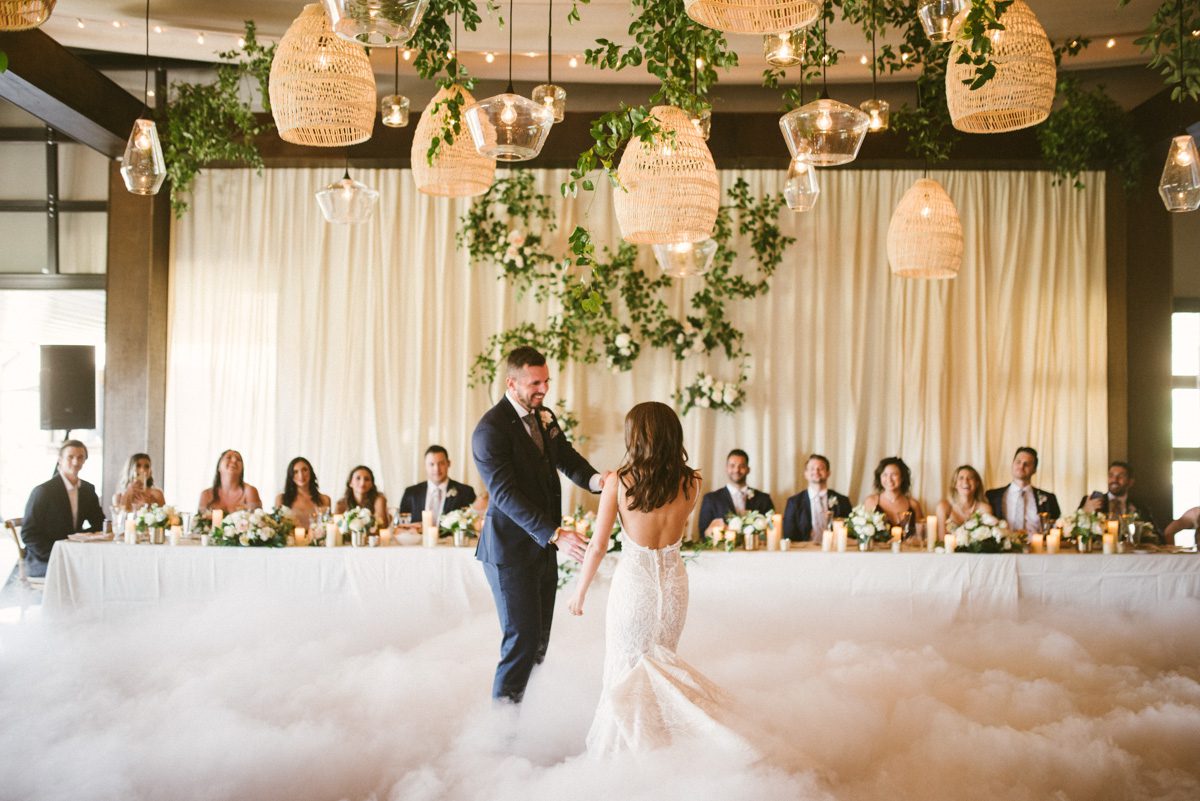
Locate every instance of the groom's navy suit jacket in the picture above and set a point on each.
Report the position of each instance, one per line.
(413, 500)
(719, 504)
(525, 503)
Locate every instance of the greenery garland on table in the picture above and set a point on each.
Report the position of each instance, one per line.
(204, 123)
(609, 309)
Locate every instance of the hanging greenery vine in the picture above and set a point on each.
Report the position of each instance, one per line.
(609, 310)
(204, 123)
(437, 60)
(1174, 47)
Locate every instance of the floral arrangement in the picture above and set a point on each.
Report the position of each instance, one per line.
(738, 527)
(864, 525)
(1081, 525)
(622, 350)
(464, 520)
(155, 516)
(202, 522)
(688, 341)
(358, 519)
(256, 528)
(984, 533)
(584, 523)
(707, 392)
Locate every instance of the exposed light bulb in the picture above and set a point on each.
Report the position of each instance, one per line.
(200, 38)
(876, 122)
(572, 62)
(904, 56)
(489, 57)
(142, 140)
(406, 54)
(149, 93)
(548, 101)
(116, 23)
(699, 63)
(509, 114)
(79, 22)
(158, 29)
(1111, 43)
(863, 59)
(1183, 157)
(824, 121)
(681, 247)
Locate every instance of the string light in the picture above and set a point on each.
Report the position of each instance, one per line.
(1111, 43)
(864, 60)
(158, 29)
(116, 23)
(200, 38)
(79, 22)
(406, 54)
(572, 62)
(489, 57)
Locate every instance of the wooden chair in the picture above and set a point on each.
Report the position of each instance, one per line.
(14, 525)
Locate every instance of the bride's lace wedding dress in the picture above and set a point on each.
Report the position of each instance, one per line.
(651, 697)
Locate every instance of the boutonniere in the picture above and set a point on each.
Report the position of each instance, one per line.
(749, 494)
(546, 418)
(1041, 499)
(451, 493)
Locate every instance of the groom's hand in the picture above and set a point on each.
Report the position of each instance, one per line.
(572, 543)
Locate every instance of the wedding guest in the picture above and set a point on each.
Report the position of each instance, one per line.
(966, 498)
(735, 496)
(59, 507)
(361, 492)
(1189, 520)
(1020, 503)
(807, 513)
(136, 488)
(1116, 501)
(301, 492)
(438, 493)
(892, 496)
(229, 491)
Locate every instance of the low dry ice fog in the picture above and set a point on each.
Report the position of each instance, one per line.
(300, 701)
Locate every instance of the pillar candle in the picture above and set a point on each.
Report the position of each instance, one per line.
(897, 533)
(839, 530)
(951, 543)
(385, 536)
(1113, 527)
(1110, 539)
(428, 530)
(931, 532)
(1037, 543)
(775, 534)
(1054, 540)
(218, 516)
(130, 531)
(176, 533)
(827, 541)
(301, 535)
(331, 535)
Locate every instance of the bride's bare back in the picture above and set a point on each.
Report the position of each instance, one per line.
(662, 527)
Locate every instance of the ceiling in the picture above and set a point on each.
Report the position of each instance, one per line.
(90, 24)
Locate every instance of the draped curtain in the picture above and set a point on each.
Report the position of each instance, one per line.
(352, 344)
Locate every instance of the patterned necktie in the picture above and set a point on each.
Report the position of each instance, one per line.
(818, 517)
(535, 432)
(435, 502)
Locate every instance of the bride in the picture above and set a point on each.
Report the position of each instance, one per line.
(651, 698)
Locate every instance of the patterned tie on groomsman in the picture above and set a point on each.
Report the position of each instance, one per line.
(535, 432)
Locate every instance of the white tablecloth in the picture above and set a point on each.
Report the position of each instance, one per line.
(103, 578)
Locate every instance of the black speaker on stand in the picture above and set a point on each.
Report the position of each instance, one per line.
(68, 387)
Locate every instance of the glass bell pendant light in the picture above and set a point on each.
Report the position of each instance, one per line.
(684, 259)
(393, 109)
(508, 126)
(347, 201)
(549, 94)
(801, 190)
(142, 167)
(784, 49)
(1179, 186)
(877, 110)
(937, 17)
(702, 122)
(376, 23)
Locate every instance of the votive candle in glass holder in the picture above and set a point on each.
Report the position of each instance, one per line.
(385, 536)
(785, 544)
(331, 535)
(951, 543)
(301, 536)
(1037, 543)
(1110, 542)
(176, 533)
(1054, 541)
(775, 533)
(839, 529)
(895, 546)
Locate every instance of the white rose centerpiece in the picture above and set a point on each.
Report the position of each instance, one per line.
(867, 526)
(985, 533)
(261, 528)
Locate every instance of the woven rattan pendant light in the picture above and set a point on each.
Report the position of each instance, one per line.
(322, 87)
(1021, 92)
(672, 189)
(21, 15)
(457, 170)
(924, 238)
(753, 16)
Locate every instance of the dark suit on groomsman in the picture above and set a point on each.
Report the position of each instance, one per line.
(719, 503)
(1043, 501)
(1119, 506)
(798, 516)
(519, 454)
(48, 519)
(455, 495)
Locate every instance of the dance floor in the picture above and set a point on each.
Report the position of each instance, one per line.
(327, 700)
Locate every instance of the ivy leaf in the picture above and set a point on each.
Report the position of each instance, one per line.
(3, 61)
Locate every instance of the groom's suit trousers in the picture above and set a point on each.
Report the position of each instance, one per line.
(525, 618)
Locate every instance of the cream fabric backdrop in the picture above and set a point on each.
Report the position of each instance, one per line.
(352, 344)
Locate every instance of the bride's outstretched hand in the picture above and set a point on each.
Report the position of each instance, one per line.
(575, 605)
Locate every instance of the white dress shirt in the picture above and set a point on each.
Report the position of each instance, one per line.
(818, 505)
(1020, 509)
(739, 497)
(73, 496)
(522, 412)
(435, 497)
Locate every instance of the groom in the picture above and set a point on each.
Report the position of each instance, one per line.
(518, 448)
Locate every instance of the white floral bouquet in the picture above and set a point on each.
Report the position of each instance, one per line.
(689, 341)
(1082, 525)
(358, 519)
(622, 350)
(864, 525)
(155, 516)
(513, 252)
(750, 524)
(255, 528)
(465, 520)
(985, 533)
(709, 393)
(584, 523)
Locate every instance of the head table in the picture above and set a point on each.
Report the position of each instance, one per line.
(110, 578)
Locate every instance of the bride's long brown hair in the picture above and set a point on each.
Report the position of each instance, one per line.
(655, 469)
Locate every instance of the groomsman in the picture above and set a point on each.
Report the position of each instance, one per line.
(1116, 501)
(735, 496)
(439, 493)
(809, 511)
(1020, 502)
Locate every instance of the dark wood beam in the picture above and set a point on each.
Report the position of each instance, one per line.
(61, 89)
(42, 281)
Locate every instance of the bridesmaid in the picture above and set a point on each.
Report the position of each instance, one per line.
(966, 498)
(229, 491)
(362, 492)
(893, 483)
(137, 486)
(301, 493)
